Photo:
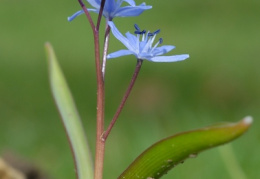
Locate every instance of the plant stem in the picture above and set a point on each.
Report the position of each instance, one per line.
(87, 14)
(119, 109)
(106, 43)
(100, 144)
(100, 13)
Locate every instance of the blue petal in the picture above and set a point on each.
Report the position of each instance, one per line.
(93, 10)
(81, 12)
(120, 37)
(162, 50)
(95, 3)
(173, 58)
(131, 11)
(133, 40)
(119, 53)
(75, 15)
(111, 6)
(131, 2)
(145, 56)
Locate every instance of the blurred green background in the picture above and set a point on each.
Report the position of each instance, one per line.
(220, 82)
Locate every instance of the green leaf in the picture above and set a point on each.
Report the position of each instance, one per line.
(70, 117)
(232, 165)
(158, 159)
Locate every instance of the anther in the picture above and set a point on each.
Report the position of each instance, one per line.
(138, 32)
(160, 40)
(150, 34)
(137, 27)
(143, 32)
(156, 32)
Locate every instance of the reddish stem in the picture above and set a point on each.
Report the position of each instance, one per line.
(102, 5)
(100, 145)
(87, 14)
(119, 109)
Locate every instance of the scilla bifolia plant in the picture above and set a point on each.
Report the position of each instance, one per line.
(161, 156)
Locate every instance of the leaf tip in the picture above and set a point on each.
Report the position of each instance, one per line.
(248, 120)
(47, 45)
(49, 52)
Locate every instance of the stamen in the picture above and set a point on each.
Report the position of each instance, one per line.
(160, 40)
(155, 46)
(137, 27)
(143, 32)
(150, 34)
(145, 37)
(156, 32)
(138, 32)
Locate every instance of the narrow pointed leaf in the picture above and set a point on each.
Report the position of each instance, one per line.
(230, 161)
(70, 117)
(167, 153)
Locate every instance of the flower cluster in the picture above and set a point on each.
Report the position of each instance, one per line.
(143, 48)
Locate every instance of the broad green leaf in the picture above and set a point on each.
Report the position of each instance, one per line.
(70, 117)
(158, 159)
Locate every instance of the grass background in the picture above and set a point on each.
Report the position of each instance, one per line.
(220, 82)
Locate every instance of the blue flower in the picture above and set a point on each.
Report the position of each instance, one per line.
(143, 49)
(112, 9)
